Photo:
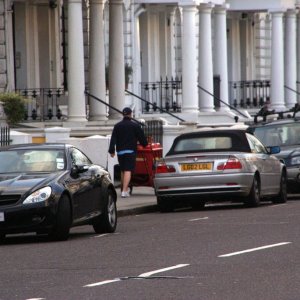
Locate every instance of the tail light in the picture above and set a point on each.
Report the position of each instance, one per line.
(164, 168)
(232, 163)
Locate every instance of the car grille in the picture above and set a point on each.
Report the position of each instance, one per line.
(9, 199)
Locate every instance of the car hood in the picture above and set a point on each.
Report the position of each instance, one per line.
(287, 152)
(21, 183)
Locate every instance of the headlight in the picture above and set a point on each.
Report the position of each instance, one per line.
(39, 195)
(295, 160)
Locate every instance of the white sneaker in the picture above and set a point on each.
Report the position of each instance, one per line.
(125, 195)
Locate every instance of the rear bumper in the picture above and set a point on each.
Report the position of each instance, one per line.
(217, 185)
(293, 179)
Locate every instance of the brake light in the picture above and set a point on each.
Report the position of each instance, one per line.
(163, 168)
(232, 164)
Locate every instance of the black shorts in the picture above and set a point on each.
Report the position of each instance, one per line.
(127, 161)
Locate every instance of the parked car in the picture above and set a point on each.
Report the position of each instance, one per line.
(219, 164)
(286, 134)
(48, 188)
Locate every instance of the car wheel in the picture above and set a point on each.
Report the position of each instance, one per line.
(107, 221)
(198, 205)
(61, 229)
(253, 198)
(282, 196)
(2, 237)
(164, 205)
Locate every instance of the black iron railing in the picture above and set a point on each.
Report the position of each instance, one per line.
(43, 103)
(4, 136)
(249, 94)
(164, 93)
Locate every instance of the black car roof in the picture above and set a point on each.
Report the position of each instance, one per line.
(274, 122)
(238, 137)
(36, 146)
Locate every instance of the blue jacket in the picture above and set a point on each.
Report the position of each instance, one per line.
(125, 136)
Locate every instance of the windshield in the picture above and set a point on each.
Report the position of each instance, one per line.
(279, 135)
(20, 161)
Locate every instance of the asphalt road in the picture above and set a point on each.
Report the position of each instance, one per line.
(223, 252)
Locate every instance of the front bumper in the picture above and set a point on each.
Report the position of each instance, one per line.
(37, 217)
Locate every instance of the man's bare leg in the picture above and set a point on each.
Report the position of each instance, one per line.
(125, 180)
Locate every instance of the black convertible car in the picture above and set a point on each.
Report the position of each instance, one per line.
(49, 188)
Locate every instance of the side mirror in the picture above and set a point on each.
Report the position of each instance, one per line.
(273, 149)
(77, 169)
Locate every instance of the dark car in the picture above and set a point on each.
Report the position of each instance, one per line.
(219, 164)
(49, 188)
(286, 134)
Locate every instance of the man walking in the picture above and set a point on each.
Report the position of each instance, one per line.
(125, 136)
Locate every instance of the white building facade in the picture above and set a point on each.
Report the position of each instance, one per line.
(191, 60)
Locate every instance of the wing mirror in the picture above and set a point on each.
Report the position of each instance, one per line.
(77, 169)
(273, 149)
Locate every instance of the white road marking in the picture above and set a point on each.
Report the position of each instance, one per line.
(162, 270)
(36, 299)
(100, 235)
(102, 282)
(148, 274)
(254, 249)
(104, 234)
(198, 219)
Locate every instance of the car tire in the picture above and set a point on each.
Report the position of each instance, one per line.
(2, 238)
(199, 205)
(282, 196)
(107, 221)
(61, 229)
(164, 205)
(253, 198)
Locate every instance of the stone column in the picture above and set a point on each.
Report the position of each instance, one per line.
(97, 61)
(136, 57)
(76, 82)
(220, 51)
(205, 70)
(116, 58)
(189, 58)
(277, 63)
(290, 59)
(298, 56)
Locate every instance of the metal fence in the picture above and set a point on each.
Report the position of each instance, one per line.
(4, 136)
(154, 130)
(249, 94)
(43, 103)
(165, 94)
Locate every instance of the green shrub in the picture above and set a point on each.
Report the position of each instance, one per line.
(13, 106)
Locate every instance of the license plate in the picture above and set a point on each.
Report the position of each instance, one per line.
(1, 216)
(196, 167)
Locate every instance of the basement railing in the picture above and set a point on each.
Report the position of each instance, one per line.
(43, 103)
(249, 94)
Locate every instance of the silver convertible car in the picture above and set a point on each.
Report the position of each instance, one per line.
(219, 164)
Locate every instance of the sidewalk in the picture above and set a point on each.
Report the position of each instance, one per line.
(141, 201)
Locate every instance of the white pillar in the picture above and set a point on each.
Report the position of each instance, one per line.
(220, 59)
(116, 58)
(205, 69)
(298, 57)
(290, 59)
(189, 59)
(97, 61)
(76, 84)
(136, 58)
(277, 63)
